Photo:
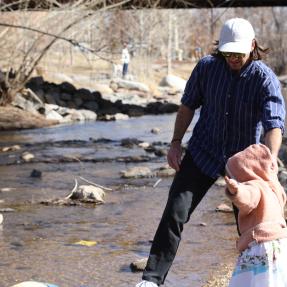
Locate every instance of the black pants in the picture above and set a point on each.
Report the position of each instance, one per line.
(188, 188)
(125, 69)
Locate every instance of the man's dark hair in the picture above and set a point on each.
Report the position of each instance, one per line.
(255, 55)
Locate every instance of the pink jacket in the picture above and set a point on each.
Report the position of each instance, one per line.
(259, 196)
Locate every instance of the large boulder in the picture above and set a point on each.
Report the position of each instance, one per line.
(173, 82)
(131, 85)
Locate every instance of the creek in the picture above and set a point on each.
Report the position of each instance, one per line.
(38, 241)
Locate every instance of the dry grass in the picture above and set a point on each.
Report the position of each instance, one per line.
(145, 69)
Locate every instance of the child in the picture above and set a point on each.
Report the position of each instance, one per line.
(253, 187)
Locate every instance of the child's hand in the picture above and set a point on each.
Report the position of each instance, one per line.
(232, 185)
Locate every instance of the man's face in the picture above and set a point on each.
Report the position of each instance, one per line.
(236, 60)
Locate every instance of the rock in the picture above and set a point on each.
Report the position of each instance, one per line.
(113, 86)
(137, 172)
(35, 82)
(78, 101)
(173, 82)
(87, 193)
(74, 116)
(144, 145)
(155, 130)
(7, 209)
(27, 156)
(65, 97)
(65, 115)
(103, 89)
(138, 265)
(27, 104)
(88, 115)
(129, 142)
(6, 189)
(150, 149)
(36, 173)
(71, 105)
(116, 117)
(160, 152)
(165, 172)
(67, 87)
(11, 148)
(224, 208)
(161, 108)
(1, 218)
(51, 98)
(91, 105)
(53, 115)
(131, 85)
(220, 182)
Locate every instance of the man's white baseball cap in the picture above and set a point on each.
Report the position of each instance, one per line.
(236, 36)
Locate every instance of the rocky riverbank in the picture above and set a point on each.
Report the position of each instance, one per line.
(44, 103)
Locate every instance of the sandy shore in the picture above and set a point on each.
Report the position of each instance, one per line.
(220, 278)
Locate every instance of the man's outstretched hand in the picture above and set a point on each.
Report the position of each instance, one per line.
(174, 155)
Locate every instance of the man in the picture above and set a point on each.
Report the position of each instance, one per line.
(125, 60)
(238, 95)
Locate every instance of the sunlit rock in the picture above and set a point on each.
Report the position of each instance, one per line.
(137, 172)
(138, 265)
(11, 148)
(144, 145)
(174, 82)
(155, 130)
(87, 193)
(165, 171)
(131, 85)
(116, 117)
(27, 156)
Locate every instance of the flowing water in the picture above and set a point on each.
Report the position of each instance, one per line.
(37, 241)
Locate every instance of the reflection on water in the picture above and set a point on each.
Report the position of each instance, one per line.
(37, 241)
(139, 128)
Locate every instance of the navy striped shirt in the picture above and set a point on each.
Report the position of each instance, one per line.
(234, 108)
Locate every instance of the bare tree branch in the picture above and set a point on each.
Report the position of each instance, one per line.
(71, 41)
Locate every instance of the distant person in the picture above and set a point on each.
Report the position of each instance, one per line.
(198, 53)
(238, 95)
(254, 188)
(125, 60)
